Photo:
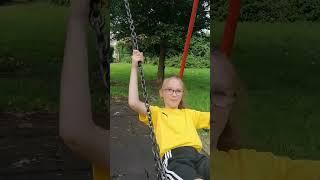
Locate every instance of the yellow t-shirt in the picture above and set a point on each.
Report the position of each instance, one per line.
(100, 174)
(177, 127)
(247, 164)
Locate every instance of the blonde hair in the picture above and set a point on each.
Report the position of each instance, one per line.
(165, 81)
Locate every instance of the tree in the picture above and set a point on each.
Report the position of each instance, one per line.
(3, 2)
(159, 24)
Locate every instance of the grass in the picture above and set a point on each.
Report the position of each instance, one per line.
(32, 34)
(279, 64)
(32, 42)
(27, 28)
(197, 82)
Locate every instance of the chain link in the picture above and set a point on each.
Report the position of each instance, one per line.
(132, 28)
(97, 23)
(155, 147)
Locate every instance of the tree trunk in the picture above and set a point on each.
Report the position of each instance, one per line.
(161, 66)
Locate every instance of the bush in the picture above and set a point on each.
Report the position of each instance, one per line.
(271, 10)
(122, 52)
(198, 55)
(191, 62)
(4, 2)
(61, 2)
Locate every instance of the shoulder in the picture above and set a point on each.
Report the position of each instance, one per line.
(188, 110)
(194, 111)
(154, 108)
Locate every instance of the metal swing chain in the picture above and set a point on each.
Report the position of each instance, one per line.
(97, 23)
(155, 147)
(132, 28)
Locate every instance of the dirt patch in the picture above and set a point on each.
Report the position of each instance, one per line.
(31, 148)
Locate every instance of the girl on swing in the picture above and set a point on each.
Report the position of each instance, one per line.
(175, 127)
(230, 160)
(76, 126)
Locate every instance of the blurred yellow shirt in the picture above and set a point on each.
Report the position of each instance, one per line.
(247, 164)
(251, 165)
(100, 174)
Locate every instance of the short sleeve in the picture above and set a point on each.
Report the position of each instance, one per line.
(201, 119)
(154, 114)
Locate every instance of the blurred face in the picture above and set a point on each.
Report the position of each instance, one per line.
(172, 92)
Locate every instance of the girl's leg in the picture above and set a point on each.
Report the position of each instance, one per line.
(180, 166)
(202, 166)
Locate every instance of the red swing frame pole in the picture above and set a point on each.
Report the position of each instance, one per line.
(190, 29)
(230, 27)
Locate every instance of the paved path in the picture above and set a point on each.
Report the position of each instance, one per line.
(131, 150)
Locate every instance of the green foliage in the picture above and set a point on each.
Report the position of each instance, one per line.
(61, 2)
(219, 10)
(191, 62)
(11, 65)
(6, 2)
(157, 20)
(200, 46)
(2, 2)
(123, 52)
(271, 10)
(198, 55)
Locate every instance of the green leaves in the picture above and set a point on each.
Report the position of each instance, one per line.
(157, 20)
(271, 10)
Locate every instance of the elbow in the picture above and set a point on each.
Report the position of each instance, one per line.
(69, 133)
(73, 142)
(65, 132)
(70, 138)
(67, 137)
(132, 104)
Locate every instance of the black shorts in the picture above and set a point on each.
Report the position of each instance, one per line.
(186, 163)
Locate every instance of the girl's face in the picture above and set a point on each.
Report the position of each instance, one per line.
(172, 92)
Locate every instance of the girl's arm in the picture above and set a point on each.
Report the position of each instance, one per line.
(75, 122)
(133, 97)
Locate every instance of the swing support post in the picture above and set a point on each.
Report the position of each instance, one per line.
(190, 29)
(230, 27)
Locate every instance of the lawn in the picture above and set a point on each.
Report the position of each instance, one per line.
(31, 57)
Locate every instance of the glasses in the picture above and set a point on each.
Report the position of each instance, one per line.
(171, 91)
